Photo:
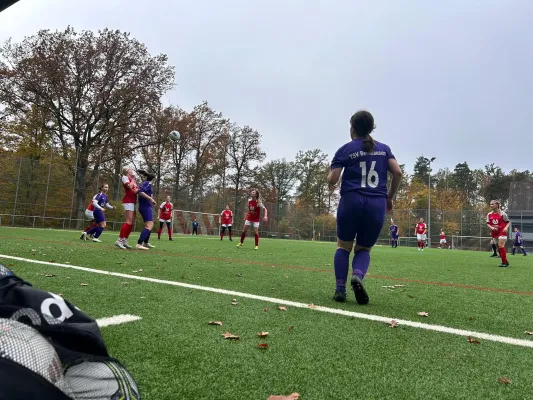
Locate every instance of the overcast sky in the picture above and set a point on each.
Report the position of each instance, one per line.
(447, 79)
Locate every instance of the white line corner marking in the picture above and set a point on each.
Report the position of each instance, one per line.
(116, 320)
(369, 317)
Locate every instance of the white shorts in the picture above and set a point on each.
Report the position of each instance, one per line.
(128, 206)
(421, 236)
(168, 221)
(248, 223)
(502, 237)
(443, 240)
(89, 215)
(226, 225)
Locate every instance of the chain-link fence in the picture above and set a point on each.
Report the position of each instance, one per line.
(44, 193)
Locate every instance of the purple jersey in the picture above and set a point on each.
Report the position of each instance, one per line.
(365, 173)
(101, 198)
(145, 187)
(518, 238)
(394, 230)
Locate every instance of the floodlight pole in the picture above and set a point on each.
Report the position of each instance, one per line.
(429, 201)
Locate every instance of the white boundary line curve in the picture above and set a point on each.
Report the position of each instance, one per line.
(353, 314)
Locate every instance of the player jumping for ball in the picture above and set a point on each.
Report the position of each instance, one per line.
(498, 223)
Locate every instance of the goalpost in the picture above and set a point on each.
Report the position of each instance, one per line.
(182, 222)
(471, 242)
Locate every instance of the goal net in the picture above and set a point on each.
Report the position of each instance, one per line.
(208, 223)
(479, 243)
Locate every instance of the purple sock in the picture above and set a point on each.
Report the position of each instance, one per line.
(341, 263)
(148, 237)
(92, 231)
(99, 231)
(144, 236)
(360, 263)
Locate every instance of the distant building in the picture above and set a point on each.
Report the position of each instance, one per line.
(520, 210)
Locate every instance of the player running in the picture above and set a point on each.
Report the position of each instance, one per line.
(226, 220)
(165, 216)
(498, 223)
(99, 204)
(518, 242)
(394, 234)
(128, 203)
(443, 240)
(421, 230)
(363, 203)
(145, 209)
(255, 205)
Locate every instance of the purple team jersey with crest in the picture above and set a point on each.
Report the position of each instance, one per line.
(365, 173)
(145, 206)
(394, 230)
(101, 198)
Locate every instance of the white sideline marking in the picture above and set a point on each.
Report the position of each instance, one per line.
(116, 320)
(369, 317)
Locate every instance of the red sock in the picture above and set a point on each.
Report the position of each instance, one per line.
(418, 243)
(503, 255)
(243, 236)
(159, 233)
(87, 228)
(169, 233)
(221, 236)
(257, 239)
(130, 228)
(124, 231)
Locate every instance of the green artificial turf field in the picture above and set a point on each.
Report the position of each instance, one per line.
(174, 354)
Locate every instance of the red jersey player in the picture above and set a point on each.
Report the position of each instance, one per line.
(226, 221)
(128, 203)
(498, 223)
(443, 240)
(165, 215)
(420, 232)
(253, 216)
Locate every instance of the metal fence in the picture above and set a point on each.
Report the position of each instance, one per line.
(42, 193)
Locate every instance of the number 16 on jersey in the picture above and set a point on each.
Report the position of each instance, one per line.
(370, 177)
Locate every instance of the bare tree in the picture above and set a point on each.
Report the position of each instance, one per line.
(94, 85)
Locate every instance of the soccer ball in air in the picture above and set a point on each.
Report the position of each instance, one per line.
(174, 135)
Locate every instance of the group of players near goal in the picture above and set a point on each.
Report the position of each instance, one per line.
(142, 195)
(365, 199)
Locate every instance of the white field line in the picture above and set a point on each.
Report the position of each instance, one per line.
(369, 317)
(117, 320)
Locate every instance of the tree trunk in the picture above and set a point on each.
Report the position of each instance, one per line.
(80, 188)
(116, 179)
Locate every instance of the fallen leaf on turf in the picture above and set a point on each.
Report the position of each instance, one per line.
(263, 346)
(399, 285)
(139, 270)
(266, 309)
(282, 308)
(470, 318)
(311, 305)
(262, 334)
(393, 324)
(327, 265)
(504, 380)
(528, 333)
(84, 284)
(411, 297)
(52, 261)
(50, 275)
(291, 328)
(234, 303)
(286, 276)
(219, 323)
(474, 341)
(388, 287)
(67, 262)
(60, 294)
(292, 396)
(423, 314)
(230, 336)
(233, 299)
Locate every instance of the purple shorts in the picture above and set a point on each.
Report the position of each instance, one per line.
(147, 213)
(98, 215)
(360, 217)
